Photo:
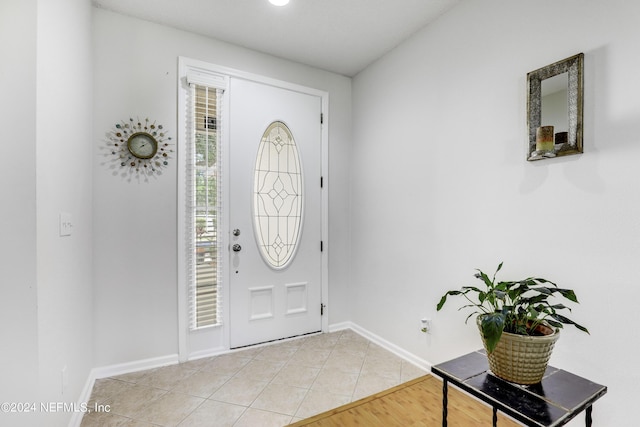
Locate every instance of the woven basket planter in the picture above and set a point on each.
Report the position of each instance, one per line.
(521, 359)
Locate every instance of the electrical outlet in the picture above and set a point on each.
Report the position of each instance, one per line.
(425, 324)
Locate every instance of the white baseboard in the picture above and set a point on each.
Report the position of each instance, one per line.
(340, 326)
(207, 353)
(85, 395)
(118, 369)
(398, 351)
(135, 366)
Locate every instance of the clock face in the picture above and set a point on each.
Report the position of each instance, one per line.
(142, 145)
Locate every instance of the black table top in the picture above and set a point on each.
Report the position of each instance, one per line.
(554, 401)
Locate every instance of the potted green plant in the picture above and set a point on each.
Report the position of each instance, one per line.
(518, 321)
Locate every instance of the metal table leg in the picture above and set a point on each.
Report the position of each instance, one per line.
(444, 402)
(588, 416)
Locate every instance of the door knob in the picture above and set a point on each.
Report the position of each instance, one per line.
(236, 248)
(236, 232)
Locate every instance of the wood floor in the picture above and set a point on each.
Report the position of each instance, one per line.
(412, 404)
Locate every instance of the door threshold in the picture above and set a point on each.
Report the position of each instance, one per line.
(262, 343)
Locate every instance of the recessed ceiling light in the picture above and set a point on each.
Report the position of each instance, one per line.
(279, 2)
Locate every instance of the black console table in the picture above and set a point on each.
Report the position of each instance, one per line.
(558, 398)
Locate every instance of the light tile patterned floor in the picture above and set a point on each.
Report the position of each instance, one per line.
(266, 386)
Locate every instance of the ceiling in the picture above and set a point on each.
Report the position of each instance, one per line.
(342, 36)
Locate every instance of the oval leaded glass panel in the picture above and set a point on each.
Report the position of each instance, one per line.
(277, 196)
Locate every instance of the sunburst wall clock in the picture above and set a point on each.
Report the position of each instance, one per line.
(141, 146)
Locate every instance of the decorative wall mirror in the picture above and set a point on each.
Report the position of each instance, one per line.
(554, 109)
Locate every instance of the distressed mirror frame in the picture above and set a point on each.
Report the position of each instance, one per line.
(574, 66)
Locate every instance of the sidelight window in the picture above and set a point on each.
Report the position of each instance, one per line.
(203, 261)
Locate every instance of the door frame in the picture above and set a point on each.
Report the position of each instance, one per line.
(185, 352)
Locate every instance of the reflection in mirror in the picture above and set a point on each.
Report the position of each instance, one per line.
(555, 106)
(555, 109)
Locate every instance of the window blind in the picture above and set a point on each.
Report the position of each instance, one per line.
(203, 207)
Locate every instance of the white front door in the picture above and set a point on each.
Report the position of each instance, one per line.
(275, 212)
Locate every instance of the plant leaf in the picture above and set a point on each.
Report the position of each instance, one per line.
(567, 321)
(492, 325)
(482, 276)
(444, 298)
(541, 280)
(471, 288)
(545, 290)
(560, 307)
(498, 269)
(568, 294)
(554, 323)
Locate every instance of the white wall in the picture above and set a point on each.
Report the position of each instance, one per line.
(135, 75)
(45, 113)
(18, 287)
(64, 163)
(441, 186)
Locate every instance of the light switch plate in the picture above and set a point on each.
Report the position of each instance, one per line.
(65, 224)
